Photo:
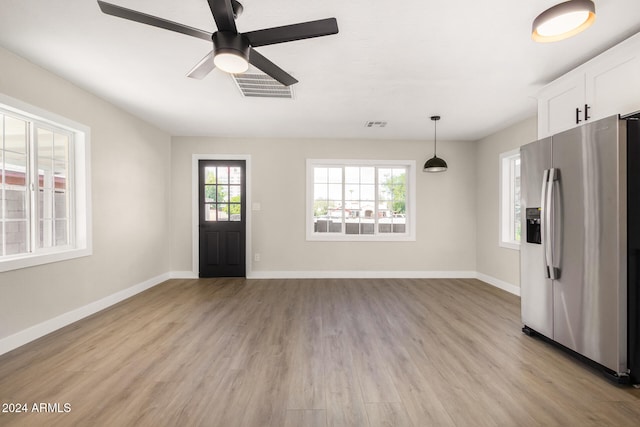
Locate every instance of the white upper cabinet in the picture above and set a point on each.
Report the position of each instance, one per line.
(606, 85)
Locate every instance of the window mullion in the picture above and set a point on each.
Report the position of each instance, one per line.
(511, 198)
(32, 187)
(344, 206)
(375, 200)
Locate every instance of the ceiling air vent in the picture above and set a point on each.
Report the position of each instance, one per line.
(375, 124)
(261, 86)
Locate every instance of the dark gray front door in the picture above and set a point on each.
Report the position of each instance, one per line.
(222, 218)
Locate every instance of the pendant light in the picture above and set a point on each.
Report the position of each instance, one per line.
(435, 164)
(563, 20)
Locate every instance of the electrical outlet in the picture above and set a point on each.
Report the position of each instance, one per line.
(256, 257)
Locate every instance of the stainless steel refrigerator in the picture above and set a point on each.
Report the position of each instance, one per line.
(578, 254)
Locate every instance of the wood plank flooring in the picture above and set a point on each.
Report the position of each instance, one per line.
(236, 352)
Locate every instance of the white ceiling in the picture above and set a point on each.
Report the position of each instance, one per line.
(472, 62)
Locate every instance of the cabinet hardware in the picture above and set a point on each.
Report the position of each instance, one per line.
(586, 112)
(578, 111)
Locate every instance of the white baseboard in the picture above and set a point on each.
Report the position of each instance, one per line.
(34, 332)
(505, 286)
(183, 275)
(366, 274)
(351, 274)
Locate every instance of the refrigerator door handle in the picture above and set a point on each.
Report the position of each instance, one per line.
(544, 216)
(553, 271)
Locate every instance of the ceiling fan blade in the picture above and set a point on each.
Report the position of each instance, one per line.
(271, 69)
(223, 15)
(288, 33)
(133, 15)
(202, 68)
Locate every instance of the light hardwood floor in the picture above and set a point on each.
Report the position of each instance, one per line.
(235, 352)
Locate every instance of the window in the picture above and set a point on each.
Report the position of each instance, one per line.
(510, 221)
(43, 187)
(360, 200)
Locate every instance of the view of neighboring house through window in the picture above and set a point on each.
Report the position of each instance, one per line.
(27, 223)
(510, 219)
(359, 199)
(41, 214)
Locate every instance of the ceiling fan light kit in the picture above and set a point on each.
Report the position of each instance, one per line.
(233, 51)
(230, 52)
(435, 164)
(563, 20)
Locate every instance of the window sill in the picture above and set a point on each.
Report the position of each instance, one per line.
(359, 238)
(509, 245)
(32, 260)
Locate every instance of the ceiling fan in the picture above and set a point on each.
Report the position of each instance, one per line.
(233, 51)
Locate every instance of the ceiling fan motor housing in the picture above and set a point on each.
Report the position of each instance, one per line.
(227, 42)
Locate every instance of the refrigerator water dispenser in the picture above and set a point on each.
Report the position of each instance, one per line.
(533, 225)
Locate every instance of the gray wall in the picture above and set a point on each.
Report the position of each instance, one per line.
(445, 206)
(492, 260)
(141, 191)
(130, 164)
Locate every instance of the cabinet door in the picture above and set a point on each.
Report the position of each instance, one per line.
(557, 104)
(612, 84)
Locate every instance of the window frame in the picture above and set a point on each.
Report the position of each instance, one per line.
(79, 177)
(410, 202)
(507, 217)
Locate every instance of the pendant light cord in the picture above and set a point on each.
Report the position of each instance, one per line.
(435, 137)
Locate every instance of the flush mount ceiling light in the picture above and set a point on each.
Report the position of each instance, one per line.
(435, 164)
(563, 20)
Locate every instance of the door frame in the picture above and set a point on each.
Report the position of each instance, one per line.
(195, 208)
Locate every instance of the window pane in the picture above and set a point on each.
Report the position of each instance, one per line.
(62, 237)
(352, 192)
(235, 207)
(209, 175)
(15, 136)
(320, 208)
(235, 193)
(368, 175)
(320, 175)
(210, 193)
(45, 173)
(61, 147)
(235, 175)
(15, 168)
(367, 192)
(45, 233)
(223, 174)
(15, 235)
(335, 175)
(385, 226)
(222, 193)
(335, 192)
(223, 212)
(210, 212)
(384, 175)
(60, 173)
(320, 192)
(352, 175)
(366, 227)
(60, 204)
(15, 203)
(45, 143)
